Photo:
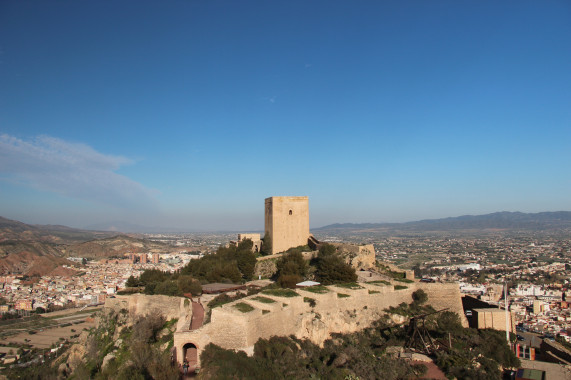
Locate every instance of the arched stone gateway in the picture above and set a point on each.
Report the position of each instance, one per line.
(190, 355)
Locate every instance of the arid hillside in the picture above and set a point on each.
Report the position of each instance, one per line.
(115, 246)
(15, 230)
(39, 250)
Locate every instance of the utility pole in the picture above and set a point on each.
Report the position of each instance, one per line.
(507, 313)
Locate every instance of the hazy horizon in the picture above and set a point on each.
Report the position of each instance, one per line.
(123, 226)
(190, 114)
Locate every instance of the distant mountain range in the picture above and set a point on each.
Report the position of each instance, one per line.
(512, 221)
(15, 230)
(121, 226)
(41, 249)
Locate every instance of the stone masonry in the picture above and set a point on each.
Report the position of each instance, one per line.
(354, 310)
(286, 222)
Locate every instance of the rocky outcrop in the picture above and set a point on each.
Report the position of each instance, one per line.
(265, 267)
(77, 354)
(359, 256)
(107, 360)
(108, 342)
(136, 305)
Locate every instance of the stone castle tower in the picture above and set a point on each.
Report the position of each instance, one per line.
(287, 222)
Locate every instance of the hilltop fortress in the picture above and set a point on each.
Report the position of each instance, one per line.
(306, 313)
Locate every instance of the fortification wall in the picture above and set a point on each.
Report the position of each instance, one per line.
(143, 304)
(354, 310)
(443, 296)
(494, 318)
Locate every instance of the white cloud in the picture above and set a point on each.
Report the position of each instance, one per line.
(72, 169)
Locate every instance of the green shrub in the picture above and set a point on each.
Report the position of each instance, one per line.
(331, 268)
(292, 263)
(319, 289)
(419, 297)
(280, 292)
(223, 299)
(310, 301)
(187, 284)
(400, 287)
(289, 280)
(342, 295)
(263, 299)
(243, 307)
(350, 285)
(373, 291)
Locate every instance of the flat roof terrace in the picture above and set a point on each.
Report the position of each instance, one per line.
(217, 287)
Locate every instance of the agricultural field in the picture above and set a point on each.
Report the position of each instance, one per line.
(43, 331)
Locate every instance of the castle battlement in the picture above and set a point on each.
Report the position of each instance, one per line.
(309, 314)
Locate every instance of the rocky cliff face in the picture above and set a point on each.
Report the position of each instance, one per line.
(129, 330)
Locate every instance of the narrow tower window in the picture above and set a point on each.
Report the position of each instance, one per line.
(290, 212)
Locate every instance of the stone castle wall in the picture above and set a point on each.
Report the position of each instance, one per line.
(143, 304)
(443, 296)
(233, 329)
(255, 238)
(494, 318)
(286, 222)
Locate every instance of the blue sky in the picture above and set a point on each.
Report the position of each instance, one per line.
(188, 114)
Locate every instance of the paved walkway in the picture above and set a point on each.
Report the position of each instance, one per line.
(197, 316)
